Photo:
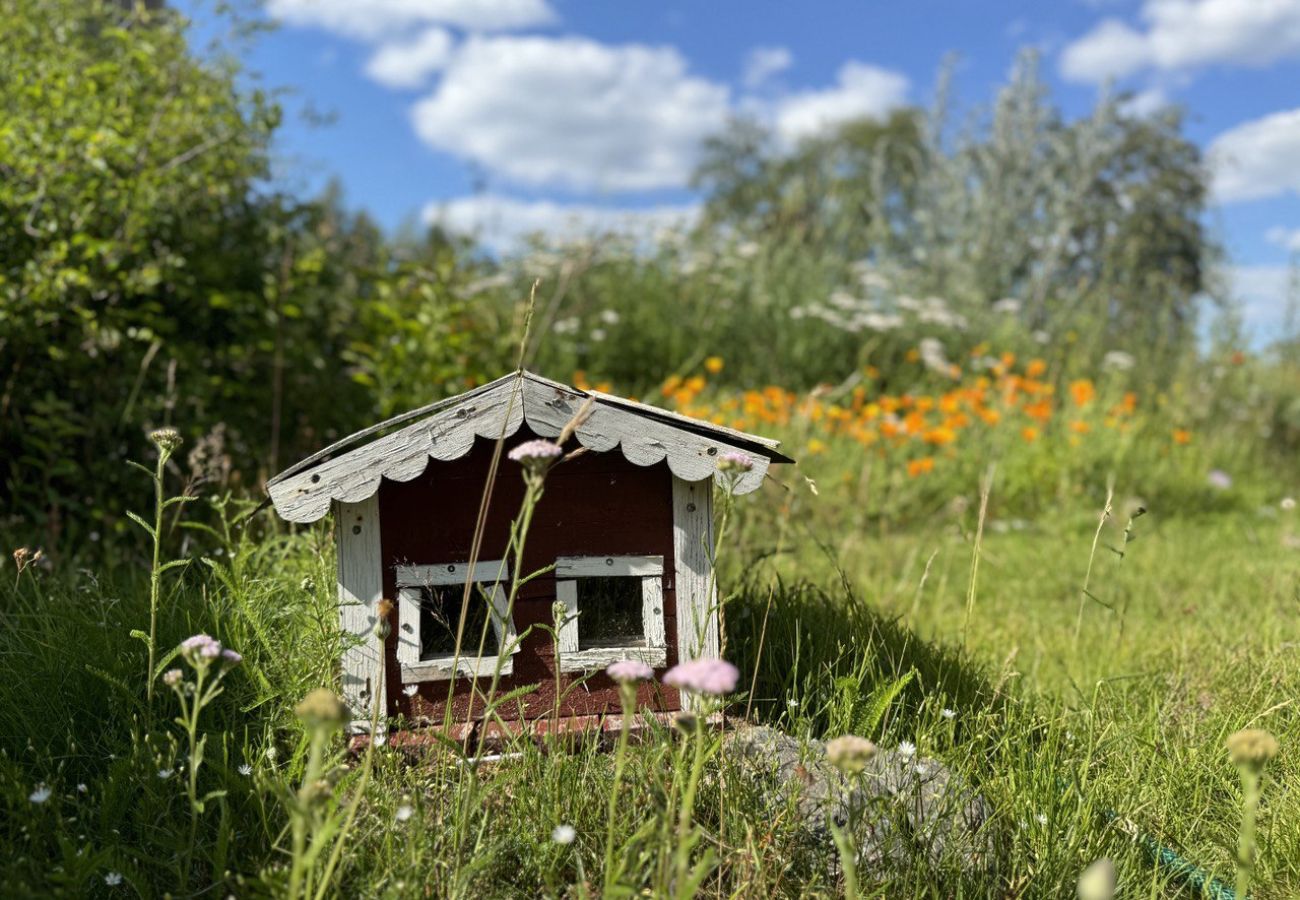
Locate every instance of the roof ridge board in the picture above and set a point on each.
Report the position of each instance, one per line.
(400, 419)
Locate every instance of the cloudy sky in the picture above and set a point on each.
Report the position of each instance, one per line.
(511, 115)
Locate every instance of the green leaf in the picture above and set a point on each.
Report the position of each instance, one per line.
(140, 636)
(142, 523)
(173, 564)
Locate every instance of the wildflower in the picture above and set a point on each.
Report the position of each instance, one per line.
(850, 753)
(1219, 479)
(383, 613)
(1287, 504)
(536, 454)
(1182, 436)
(1080, 427)
(1029, 433)
(172, 677)
(245, 769)
(321, 708)
(815, 446)
(1252, 748)
(404, 812)
(792, 703)
(916, 467)
(231, 658)
(629, 670)
(948, 713)
(704, 676)
(166, 439)
(563, 834)
(410, 690)
(1007, 305)
(1041, 819)
(732, 461)
(1082, 392)
(1097, 882)
(82, 788)
(907, 748)
(713, 365)
(164, 774)
(1036, 368)
(1118, 360)
(41, 794)
(113, 879)
(200, 647)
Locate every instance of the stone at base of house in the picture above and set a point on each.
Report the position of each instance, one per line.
(900, 806)
(497, 735)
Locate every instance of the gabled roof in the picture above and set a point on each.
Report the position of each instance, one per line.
(351, 471)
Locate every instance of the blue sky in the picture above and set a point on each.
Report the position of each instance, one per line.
(500, 116)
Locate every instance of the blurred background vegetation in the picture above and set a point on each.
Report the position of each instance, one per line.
(152, 273)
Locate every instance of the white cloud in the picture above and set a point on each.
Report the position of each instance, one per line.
(764, 62)
(1286, 238)
(371, 19)
(409, 64)
(572, 112)
(1262, 292)
(1178, 35)
(503, 222)
(1111, 50)
(1258, 158)
(1147, 103)
(863, 90)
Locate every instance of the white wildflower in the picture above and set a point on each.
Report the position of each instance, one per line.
(404, 812)
(907, 749)
(563, 834)
(113, 879)
(164, 774)
(948, 713)
(82, 788)
(1007, 306)
(40, 795)
(245, 769)
(410, 690)
(1118, 361)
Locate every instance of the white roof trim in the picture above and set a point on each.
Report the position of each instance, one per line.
(646, 435)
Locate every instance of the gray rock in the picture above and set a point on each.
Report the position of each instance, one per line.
(900, 806)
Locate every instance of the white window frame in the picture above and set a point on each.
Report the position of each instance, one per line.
(650, 569)
(411, 580)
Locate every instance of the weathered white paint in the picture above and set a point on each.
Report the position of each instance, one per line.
(697, 611)
(645, 436)
(649, 569)
(608, 566)
(412, 579)
(360, 583)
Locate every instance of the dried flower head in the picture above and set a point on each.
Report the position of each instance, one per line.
(536, 454)
(1252, 747)
(715, 677)
(383, 618)
(629, 670)
(1097, 881)
(733, 461)
(166, 439)
(850, 753)
(321, 708)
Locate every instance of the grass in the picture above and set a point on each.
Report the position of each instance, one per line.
(1059, 737)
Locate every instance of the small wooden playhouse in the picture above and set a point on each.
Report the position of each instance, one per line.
(627, 526)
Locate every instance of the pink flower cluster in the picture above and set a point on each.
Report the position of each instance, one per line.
(201, 649)
(536, 453)
(716, 677)
(734, 461)
(704, 676)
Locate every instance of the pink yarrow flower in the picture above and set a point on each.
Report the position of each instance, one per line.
(704, 676)
(732, 461)
(536, 453)
(626, 670)
(231, 657)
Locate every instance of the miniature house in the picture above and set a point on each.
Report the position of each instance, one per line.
(624, 529)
